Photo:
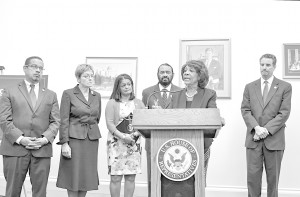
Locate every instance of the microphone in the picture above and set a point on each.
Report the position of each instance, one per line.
(147, 103)
(1, 69)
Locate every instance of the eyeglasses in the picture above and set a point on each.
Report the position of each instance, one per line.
(35, 67)
(87, 76)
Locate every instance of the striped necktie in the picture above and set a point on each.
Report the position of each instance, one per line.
(164, 98)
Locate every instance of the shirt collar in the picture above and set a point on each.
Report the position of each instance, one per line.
(36, 86)
(162, 87)
(270, 80)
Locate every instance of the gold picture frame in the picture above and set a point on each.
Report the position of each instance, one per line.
(108, 68)
(215, 53)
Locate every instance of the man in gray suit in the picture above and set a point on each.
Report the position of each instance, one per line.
(29, 119)
(265, 108)
(158, 96)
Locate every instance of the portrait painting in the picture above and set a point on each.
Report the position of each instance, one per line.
(108, 68)
(215, 54)
(291, 58)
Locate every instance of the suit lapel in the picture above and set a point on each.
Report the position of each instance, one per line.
(169, 100)
(157, 96)
(24, 91)
(91, 97)
(79, 95)
(182, 99)
(273, 89)
(41, 96)
(257, 89)
(198, 98)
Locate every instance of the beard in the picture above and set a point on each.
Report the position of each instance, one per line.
(164, 82)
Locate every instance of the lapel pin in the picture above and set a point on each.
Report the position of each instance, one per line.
(43, 89)
(275, 87)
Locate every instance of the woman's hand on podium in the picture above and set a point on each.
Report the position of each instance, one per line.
(222, 121)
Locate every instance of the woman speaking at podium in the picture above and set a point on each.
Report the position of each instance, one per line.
(195, 77)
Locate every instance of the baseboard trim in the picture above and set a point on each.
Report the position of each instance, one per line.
(226, 191)
(141, 190)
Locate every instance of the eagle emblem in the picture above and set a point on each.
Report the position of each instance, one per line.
(177, 159)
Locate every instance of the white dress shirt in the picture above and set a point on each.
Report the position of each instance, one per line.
(262, 83)
(167, 88)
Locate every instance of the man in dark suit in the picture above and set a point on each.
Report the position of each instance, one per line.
(158, 96)
(29, 119)
(214, 70)
(265, 108)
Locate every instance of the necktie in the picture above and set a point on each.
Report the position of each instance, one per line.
(32, 95)
(164, 98)
(265, 92)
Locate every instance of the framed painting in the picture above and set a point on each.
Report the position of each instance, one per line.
(7, 80)
(291, 58)
(215, 54)
(108, 68)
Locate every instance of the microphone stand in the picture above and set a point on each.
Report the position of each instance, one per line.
(147, 103)
(1, 69)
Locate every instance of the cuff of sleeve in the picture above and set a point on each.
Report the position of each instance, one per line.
(46, 140)
(19, 139)
(62, 141)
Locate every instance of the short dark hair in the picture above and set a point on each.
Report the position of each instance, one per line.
(200, 68)
(269, 56)
(27, 61)
(165, 64)
(116, 93)
(209, 49)
(81, 68)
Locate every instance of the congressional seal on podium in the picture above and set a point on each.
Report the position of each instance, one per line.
(177, 159)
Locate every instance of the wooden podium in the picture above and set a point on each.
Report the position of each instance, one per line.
(188, 124)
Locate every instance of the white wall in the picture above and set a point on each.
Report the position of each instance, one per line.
(63, 33)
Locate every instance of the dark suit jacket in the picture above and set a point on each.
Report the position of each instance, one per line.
(272, 116)
(205, 98)
(214, 68)
(18, 117)
(155, 94)
(79, 117)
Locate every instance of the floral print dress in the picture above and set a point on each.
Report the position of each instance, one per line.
(123, 158)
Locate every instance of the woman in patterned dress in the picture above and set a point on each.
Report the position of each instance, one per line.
(123, 150)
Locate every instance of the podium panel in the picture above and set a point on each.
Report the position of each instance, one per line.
(158, 138)
(187, 124)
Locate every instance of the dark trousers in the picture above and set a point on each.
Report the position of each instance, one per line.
(271, 159)
(16, 168)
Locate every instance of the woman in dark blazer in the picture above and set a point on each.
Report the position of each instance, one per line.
(79, 135)
(195, 77)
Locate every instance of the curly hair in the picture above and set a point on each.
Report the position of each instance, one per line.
(200, 68)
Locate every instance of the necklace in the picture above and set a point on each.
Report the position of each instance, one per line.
(192, 95)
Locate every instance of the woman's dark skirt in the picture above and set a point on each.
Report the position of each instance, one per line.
(80, 173)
